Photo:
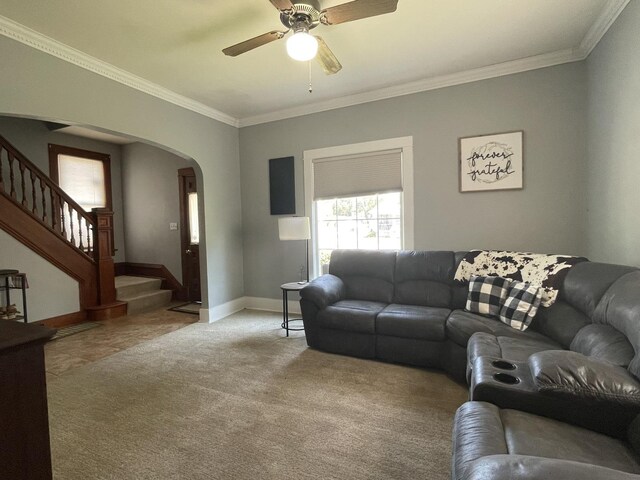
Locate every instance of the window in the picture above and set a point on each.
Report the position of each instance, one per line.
(85, 176)
(371, 222)
(83, 180)
(194, 226)
(359, 197)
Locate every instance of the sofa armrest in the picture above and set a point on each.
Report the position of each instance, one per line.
(570, 374)
(521, 467)
(323, 291)
(477, 433)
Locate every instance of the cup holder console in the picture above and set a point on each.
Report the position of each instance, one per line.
(506, 378)
(503, 365)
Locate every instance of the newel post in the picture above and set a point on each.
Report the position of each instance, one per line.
(102, 251)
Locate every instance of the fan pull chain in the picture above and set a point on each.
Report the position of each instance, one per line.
(310, 85)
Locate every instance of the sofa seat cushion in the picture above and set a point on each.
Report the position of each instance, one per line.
(351, 316)
(513, 349)
(482, 429)
(528, 434)
(412, 321)
(461, 325)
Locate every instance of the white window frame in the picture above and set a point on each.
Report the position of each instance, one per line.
(405, 144)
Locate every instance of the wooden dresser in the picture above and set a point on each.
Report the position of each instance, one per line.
(25, 452)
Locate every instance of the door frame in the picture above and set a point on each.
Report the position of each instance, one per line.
(184, 225)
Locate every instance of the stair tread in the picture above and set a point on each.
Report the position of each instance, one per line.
(147, 294)
(127, 280)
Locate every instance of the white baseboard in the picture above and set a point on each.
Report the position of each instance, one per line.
(219, 312)
(271, 305)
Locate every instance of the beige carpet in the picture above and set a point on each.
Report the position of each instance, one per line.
(238, 400)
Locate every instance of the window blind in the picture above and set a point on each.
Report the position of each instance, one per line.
(83, 180)
(357, 174)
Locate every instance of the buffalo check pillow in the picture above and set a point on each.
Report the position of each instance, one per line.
(487, 295)
(521, 305)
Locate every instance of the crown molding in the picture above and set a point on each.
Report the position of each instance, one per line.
(432, 83)
(31, 38)
(608, 15)
(27, 36)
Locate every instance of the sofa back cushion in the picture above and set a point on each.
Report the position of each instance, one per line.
(620, 309)
(605, 343)
(560, 322)
(587, 282)
(367, 274)
(582, 289)
(424, 278)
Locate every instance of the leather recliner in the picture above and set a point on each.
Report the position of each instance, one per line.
(490, 443)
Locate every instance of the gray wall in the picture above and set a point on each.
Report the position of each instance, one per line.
(614, 142)
(51, 292)
(41, 86)
(547, 216)
(151, 202)
(31, 137)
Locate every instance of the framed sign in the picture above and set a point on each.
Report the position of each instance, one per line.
(491, 162)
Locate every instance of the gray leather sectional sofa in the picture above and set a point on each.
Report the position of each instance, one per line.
(560, 400)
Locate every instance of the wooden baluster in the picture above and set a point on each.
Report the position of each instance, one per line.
(63, 223)
(1, 175)
(89, 245)
(23, 185)
(44, 202)
(72, 239)
(11, 177)
(81, 245)
(34, 210)
(54, 211)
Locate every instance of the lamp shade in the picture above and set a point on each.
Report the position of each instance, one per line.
(294, 228)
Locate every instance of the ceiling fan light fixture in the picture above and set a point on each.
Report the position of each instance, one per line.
(301, 46)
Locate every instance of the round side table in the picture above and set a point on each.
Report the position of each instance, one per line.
(286, 288)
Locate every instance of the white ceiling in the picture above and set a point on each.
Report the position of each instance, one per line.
(177, 45)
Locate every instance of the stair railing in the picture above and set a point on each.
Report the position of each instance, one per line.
(25, 184)
(90, 234)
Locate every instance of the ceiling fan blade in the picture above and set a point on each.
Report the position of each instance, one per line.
(282, 4)
(326, 58)
(357, 9)
(252, 43)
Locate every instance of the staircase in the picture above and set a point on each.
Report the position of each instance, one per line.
(142, 294)
(38, 213)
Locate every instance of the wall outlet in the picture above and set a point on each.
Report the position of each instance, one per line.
(173, 226)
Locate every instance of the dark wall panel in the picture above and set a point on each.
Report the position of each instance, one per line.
(282, 188)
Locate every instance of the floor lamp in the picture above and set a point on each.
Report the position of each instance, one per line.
(296, 228)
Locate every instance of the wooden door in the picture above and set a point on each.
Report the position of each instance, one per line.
(189, 234)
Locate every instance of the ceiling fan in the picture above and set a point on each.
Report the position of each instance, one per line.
(306, 15)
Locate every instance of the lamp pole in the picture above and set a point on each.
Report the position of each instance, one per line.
(307, 242)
